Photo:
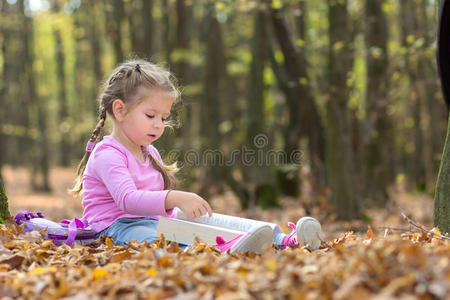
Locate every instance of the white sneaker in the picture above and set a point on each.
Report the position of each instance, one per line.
(308, 232)
(253, 241)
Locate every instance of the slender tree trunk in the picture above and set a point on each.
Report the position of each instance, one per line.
(434, 108)
(118, 13)
(379, 141)
(4, 209)
(410, 28)
(140, 19)
(95, 41)
(13, 91)
(182, 73)
(262, 182)
(4, 83)
(87, 65)
(63, 114)
(310, 119)
(39, 150)
(341, 162)
(304, 119)
(133, 13)
(23, 107)
(211, 102)
(442, 195)
(148, 28)
(166, 42)
(182, 41)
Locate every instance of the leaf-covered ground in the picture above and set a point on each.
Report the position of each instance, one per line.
(349, 267)
(395, 260)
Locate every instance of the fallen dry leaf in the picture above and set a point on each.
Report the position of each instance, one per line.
(348, 267)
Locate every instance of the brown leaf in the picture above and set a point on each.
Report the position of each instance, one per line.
(13, 261)
(121, 256)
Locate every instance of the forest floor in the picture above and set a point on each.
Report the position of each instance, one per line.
(391, 259)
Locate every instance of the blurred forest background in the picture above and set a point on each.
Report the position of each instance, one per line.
(351, 84)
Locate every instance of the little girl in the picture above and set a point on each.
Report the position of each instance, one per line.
(125, 184)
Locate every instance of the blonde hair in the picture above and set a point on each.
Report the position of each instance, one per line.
(123, 84)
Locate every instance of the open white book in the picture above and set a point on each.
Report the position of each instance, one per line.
(229, 222)
(184, 232)
(184, 229)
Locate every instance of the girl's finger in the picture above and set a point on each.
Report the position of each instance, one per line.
(200, 211)
(208, 208)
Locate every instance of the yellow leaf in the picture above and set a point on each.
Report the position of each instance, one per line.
(42, 270)
(109, 242)
(165, 261)
(436, 230)
(98, 273)
(271, 264)
(152, 272)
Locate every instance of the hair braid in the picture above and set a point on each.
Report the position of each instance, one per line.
(76, 190)
(167, 171)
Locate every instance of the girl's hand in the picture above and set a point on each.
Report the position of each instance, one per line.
(191, 204)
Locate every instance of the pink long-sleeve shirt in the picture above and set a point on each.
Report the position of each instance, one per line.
(116, 184)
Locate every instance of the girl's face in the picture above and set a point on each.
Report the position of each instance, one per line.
(144, 122)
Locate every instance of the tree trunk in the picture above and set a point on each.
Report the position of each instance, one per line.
(442, 195)
(434, 109)
(4, 83)
(342, 175)
(95, 41)
(23, 107)
(304, 119)
(182, 41)
(410, 28)
(63, 114)
(39, 149)
(4, 210)
(262, 182)
(379, 141)
(116, 26)
(140, 19)
(211, 102)
(148, 30)
(166, 42)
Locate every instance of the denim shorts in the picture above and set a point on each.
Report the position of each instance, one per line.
(124, 230)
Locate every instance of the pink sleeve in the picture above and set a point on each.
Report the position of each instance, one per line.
(111, 167)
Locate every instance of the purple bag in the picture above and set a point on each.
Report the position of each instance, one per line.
(75, 231)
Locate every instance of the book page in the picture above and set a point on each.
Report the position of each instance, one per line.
(230, 222)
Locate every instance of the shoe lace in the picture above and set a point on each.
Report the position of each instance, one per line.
(291, 239)
(220, 240)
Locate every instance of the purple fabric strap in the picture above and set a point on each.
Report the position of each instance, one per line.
(73, 226)
(90, 146)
